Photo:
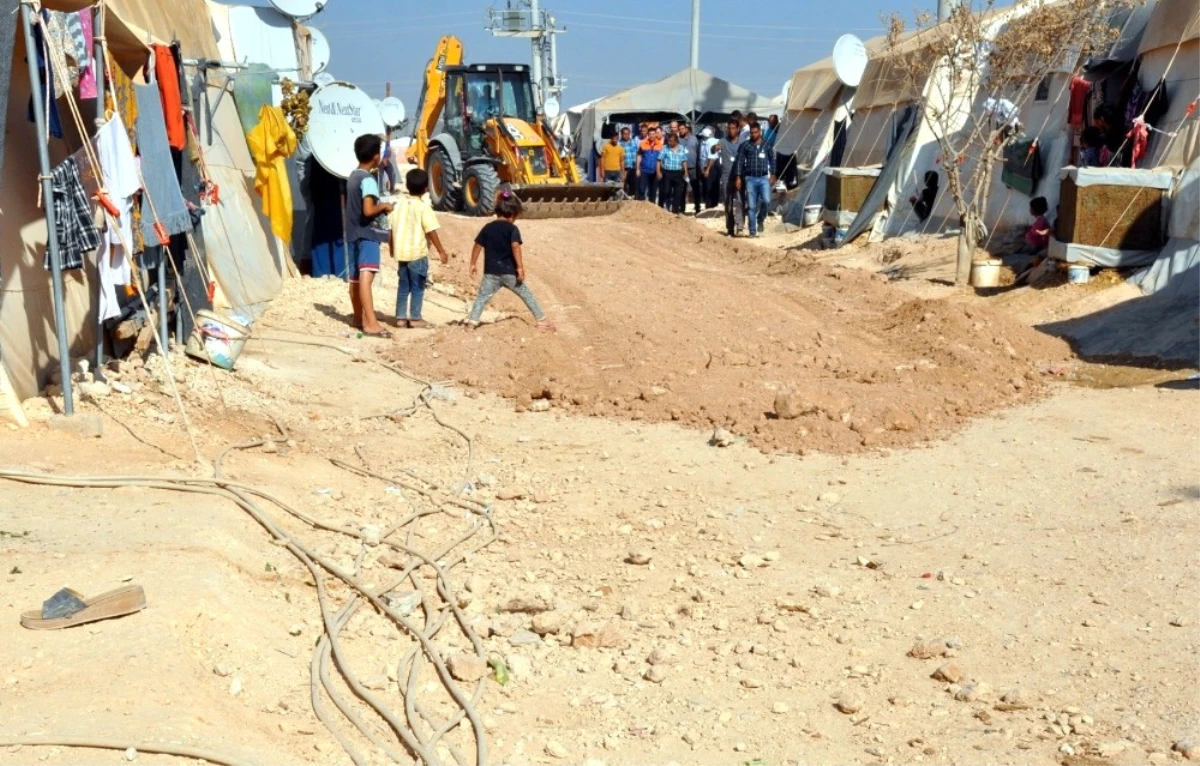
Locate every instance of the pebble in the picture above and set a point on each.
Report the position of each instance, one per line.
(222, 670)
(927, 650)
(372, 535)
(638, 558)
(752, 683)
(789, 405)
(296, 629)
(375, 683)
(521, 668)
(849, 702)
(131, 753)
(656, 674)
(476, 584)
(751, 561)
(467, 668)
(598, 635)
(510, 493)
(951, 673)
(235, 686)
(722, 438)
(1187, 749)
(972, 692)
(1180, 622)
(827, 591)
(548, 623)
(779, 708)
(830, 498)
(917, 606)
(525, 638)
(555, 750)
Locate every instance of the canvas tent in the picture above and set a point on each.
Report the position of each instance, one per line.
(1170, 52)
(689, 92)
(244, 264)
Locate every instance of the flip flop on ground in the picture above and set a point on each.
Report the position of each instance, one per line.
(67, 608)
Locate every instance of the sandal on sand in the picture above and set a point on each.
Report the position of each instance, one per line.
(67, 608)
(385, 334)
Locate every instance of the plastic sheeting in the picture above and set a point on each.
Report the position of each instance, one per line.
(1171, 269)
(1146, 179)
(1104, 257)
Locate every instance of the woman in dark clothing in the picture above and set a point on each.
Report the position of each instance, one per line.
(923, 204)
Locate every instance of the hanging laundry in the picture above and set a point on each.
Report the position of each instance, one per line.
(252, 90)
(8, 41)
(45, 82)
(271, 142)
(57, 27)
(1157, 104)
(87, 76)
(1022, 166)
(73, 221)
(122, 98)
(119, 169)
(1135, 103)
(165, 205)
(1139, 134)
(167, 77)
(1078, 103)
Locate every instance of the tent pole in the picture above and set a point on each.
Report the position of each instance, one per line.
(99, 69)
(56, 277)
(164, 339)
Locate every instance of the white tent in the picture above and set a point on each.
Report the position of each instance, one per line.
(1170, 52)
(689, 92)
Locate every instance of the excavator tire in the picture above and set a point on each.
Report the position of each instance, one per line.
(480, 185)
(445, 191)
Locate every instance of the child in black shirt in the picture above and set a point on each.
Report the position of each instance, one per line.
(503, 264)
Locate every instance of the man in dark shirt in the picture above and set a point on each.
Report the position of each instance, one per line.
(690, 142)
(732, 194)
(756, 174)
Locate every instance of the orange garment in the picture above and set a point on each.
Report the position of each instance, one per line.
(168, 89)
(653, 144)
(271, 142)
(612, 158)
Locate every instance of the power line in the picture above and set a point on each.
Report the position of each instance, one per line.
(399, 24)
(657, 32)
(721, 24)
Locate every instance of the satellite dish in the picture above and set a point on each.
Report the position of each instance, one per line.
(299, 9)
(552, 108)
(849, 60)
(320, 50)
(340, 114)
(323, 79)
(391, 109)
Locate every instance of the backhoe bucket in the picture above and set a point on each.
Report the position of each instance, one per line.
(569, 201)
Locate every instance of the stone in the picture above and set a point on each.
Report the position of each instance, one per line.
(917, 606)
(830, 498)
(640, 557)
(598, 635)
(521, 668)
(404, 602)
(477, 584)
(658, 657)
(95, 391)
(752, 683)
(789, 405)
(235, 687)
(722, 438)
(827, 591)
(950, 673)
(510, 493)
(376, 683)
(849, 702)
(131, 753)
(780, 708)
(85, 425)
(555, 750)
(972, 692)
(222, 670)
(1187, 749)
(467, 668)
(548, 623)
(372, 535)
(1112, 749)
(927, 650)
(525, 638)
(296, 629)
(751, 561)
(656, 674)
(531, 605)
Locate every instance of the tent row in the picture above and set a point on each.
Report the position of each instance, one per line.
(871, 146)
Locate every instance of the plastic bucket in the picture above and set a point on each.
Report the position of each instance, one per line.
(986, 273)
(812, 214)
(1078, 273)
(216, 340)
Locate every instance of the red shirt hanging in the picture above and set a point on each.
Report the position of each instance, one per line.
(168, 88)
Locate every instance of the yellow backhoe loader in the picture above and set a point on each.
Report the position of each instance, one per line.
(478, 128)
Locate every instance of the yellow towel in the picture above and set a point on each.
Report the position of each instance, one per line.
(271, 142)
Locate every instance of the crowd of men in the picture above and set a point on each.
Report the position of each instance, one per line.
(670, 166)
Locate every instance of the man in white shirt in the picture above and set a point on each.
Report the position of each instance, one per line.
(710, 182)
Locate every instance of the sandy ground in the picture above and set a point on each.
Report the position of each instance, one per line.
(753, 607)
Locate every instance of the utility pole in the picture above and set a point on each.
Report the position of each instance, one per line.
(526, 18)
(695, 34)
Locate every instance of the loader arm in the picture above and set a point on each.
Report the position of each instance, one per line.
(449, 52)
(561, 167)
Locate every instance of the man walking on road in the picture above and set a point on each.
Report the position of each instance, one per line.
(629, 172)
(732, 193)
(756, 174)
(691, 144)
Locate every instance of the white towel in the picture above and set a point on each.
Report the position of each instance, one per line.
(120, 169)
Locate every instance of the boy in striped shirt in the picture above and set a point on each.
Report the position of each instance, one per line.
(414, 227)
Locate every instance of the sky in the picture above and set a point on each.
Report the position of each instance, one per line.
(609, 45)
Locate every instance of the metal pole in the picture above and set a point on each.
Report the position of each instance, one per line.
(555, 89)
(98, 69)
(56, 278)
(164, 340)
(695, 34)
(536, 45)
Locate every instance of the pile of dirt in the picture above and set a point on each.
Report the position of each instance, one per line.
(660, 319)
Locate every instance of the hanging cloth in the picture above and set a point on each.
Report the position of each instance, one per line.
(73, 221)
(123, 98)
(271, 142)
(1078, 102)
(45, 81)
(166, 205)
(9, 15)
(1157, 104)
(252, 90)
(172, 104)
(87, 76)
(1139, 134)
(119, 169)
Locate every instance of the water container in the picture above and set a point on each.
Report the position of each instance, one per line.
(1078, 273)
(217, 340)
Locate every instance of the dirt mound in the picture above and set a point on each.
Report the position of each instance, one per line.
(660, 319)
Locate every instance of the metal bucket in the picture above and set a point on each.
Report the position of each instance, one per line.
(217, 340)
(812, 215)
(986, 273)
(1078, 273)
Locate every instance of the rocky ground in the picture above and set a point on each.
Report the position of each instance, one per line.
(1015, 583)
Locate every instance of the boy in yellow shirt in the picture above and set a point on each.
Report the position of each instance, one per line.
(612, 161)
(413, 228)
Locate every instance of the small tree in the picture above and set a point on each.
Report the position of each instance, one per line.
(982, 52)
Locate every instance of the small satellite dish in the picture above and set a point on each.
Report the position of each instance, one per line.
(849, 60)
(340, 114)
(320, 50)
(299, 9)
(323, 79)
(552, 108)
(391, 109)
